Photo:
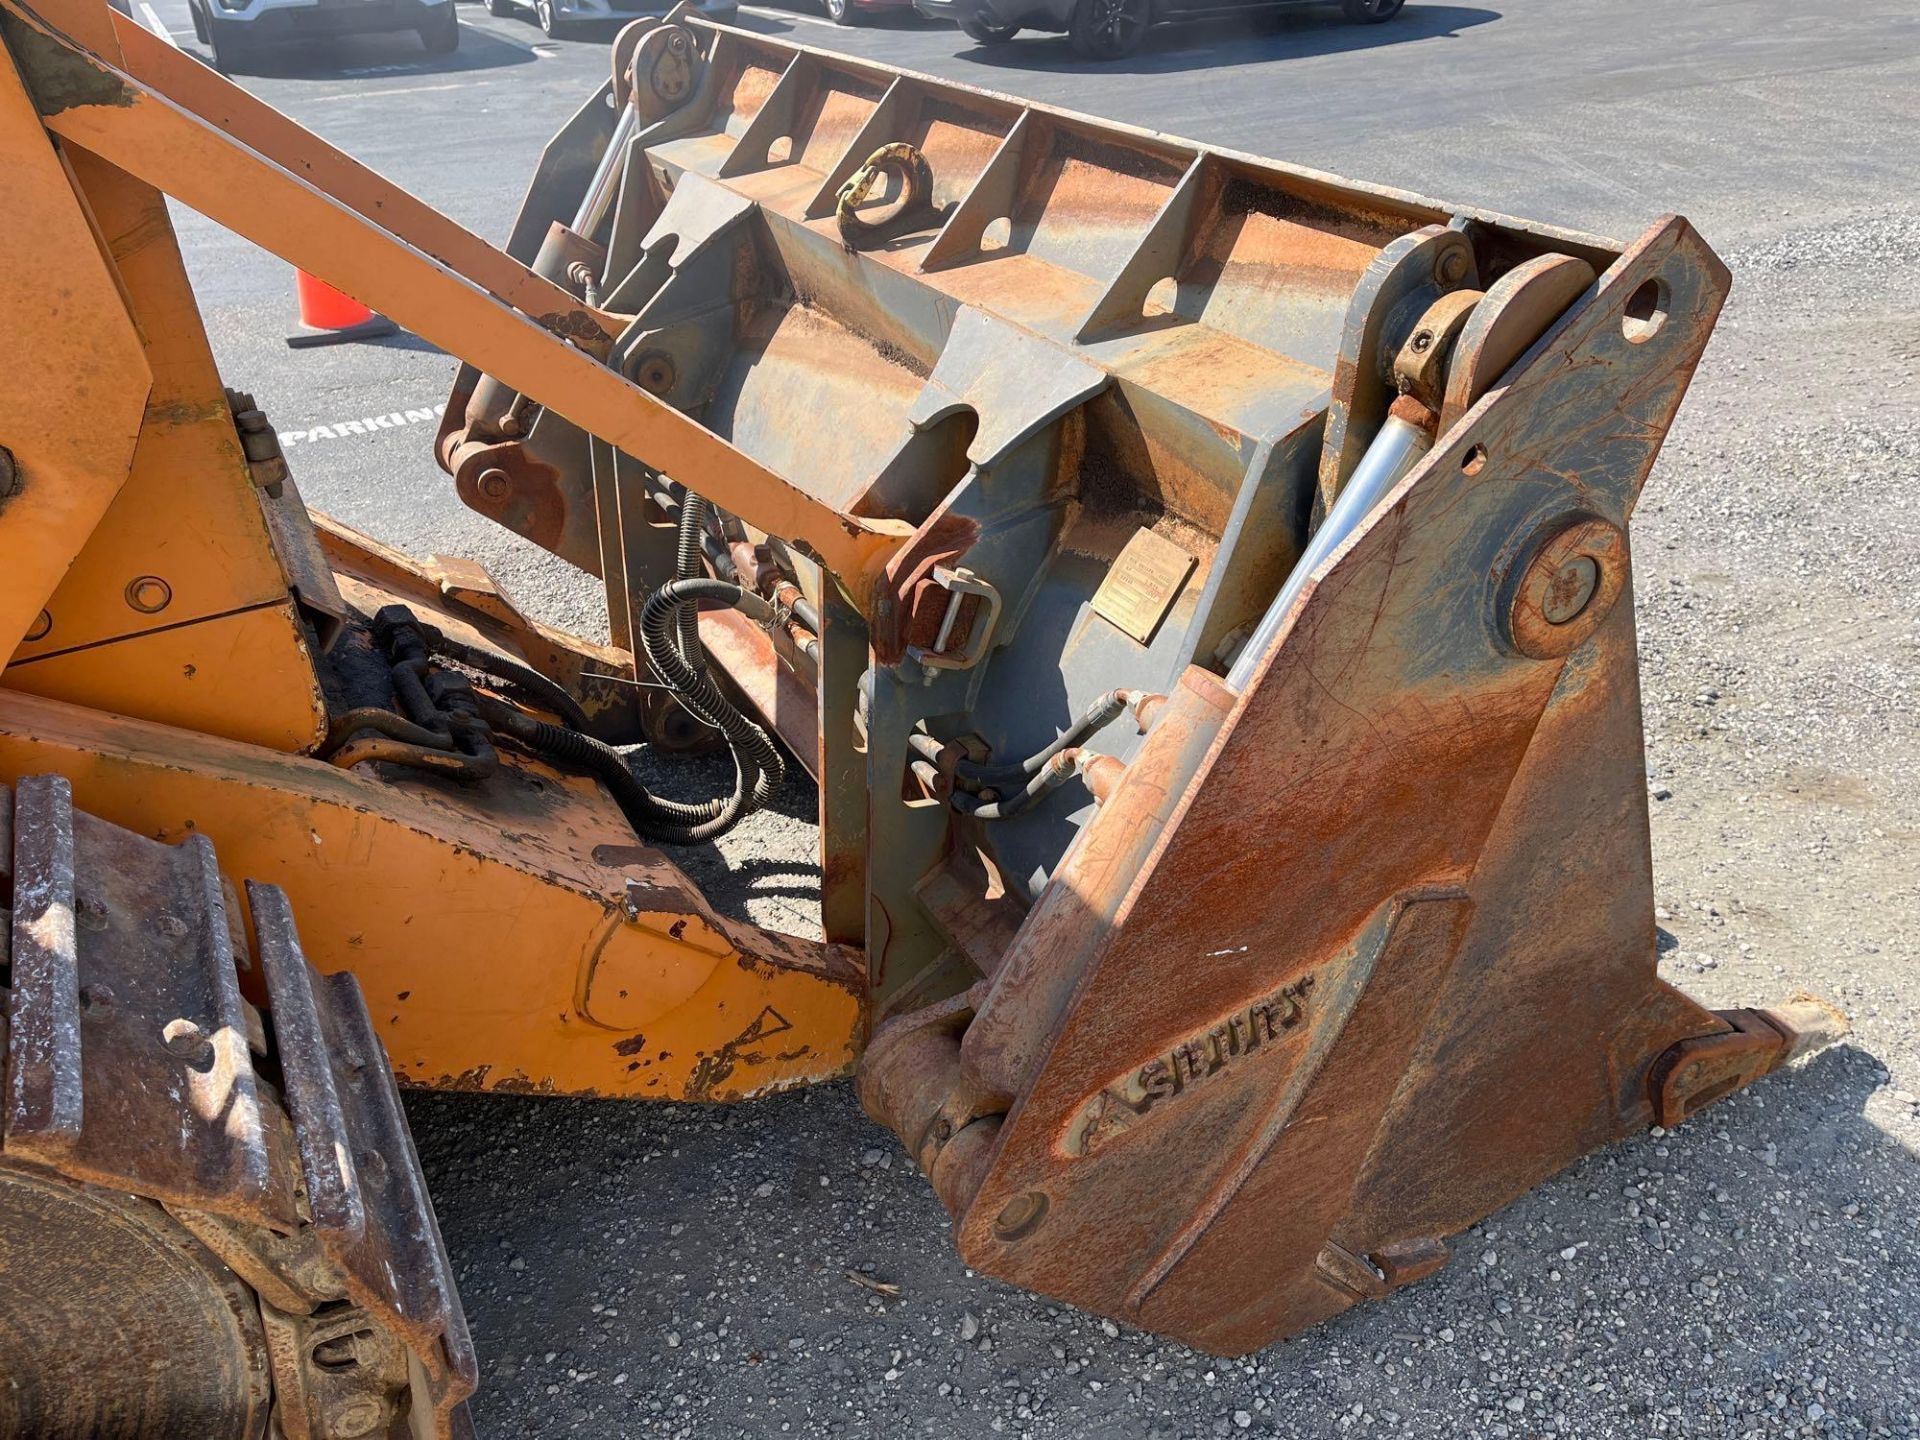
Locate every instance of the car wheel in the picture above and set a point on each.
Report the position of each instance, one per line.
(1109, 29)
(501, 9)
(982, 32)
(842, 12)
(551, 25)
(1370, 12)
(227, 50)
(442, 37)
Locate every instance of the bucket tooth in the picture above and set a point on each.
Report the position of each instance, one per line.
(1698, 1071)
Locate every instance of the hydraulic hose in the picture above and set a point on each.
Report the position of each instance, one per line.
(1097, 716)
(754, 751)
(665, 822)
(1054, 772)
(544, 692)
(687, 554)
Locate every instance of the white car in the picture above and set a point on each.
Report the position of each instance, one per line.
(555, 16)
(234, 27)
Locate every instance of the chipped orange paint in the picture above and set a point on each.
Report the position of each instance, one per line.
(478, 921)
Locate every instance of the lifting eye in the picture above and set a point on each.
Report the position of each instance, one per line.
(339, 1352)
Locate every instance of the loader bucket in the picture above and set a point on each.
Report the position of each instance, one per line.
(1233, 768)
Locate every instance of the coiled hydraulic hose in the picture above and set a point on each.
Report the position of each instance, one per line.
(687, 553)
(759, 767)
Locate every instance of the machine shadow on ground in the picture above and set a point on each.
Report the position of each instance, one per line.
(1287, 34)
(704, 1195)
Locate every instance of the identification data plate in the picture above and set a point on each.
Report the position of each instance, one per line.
(1143, 584)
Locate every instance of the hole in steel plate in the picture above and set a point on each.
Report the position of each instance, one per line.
(780, 151)
(1475, 461)
(997, 236)
(1646, 311)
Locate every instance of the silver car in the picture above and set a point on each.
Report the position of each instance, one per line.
(556, 17)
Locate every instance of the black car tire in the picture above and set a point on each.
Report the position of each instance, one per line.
(982, 33)
(842, 12)
(501, 9)
(442, 37)
(1370, 12)
(551, 25)
(226, 46)
(1109, 29)
(199, 24)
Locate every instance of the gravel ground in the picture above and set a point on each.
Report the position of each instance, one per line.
(674, 1271)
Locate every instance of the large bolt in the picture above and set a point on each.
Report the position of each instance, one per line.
(1570, 589)
(495, 485)
(655, 374)
(1020, 1216)
(1563, 585)
(356, 1417)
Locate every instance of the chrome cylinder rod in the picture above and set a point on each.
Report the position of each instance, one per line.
(1394, 451)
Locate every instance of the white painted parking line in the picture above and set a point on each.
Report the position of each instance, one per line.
(156, 24)
(788, 15)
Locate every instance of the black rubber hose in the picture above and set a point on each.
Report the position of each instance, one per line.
(804, 611)
(1100, 714)
(688, 552)
(753, 749)
(665, 822)
(548, 694)
(1051, 777)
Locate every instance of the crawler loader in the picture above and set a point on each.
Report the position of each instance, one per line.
(1199, 588)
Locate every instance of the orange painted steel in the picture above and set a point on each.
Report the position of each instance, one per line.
(511, 936)
(112, 114)
(180, 567)
(517, 939)
(261, 128)
(246, 675)
(86, 385)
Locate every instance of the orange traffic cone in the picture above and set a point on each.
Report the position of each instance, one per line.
(331, 317)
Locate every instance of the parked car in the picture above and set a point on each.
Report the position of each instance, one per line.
(556, 17)
(852, 12)
(231, 28)
(1109, 29)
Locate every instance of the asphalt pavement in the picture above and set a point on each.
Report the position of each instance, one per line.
(634, 1270)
